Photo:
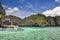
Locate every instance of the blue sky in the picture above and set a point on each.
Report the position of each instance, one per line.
(23, 8)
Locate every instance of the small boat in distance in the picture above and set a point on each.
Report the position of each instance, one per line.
(9, 25)
(12, 27)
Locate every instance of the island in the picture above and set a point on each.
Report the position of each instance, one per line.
(34, 20)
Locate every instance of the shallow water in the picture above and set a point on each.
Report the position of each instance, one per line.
(32, 33)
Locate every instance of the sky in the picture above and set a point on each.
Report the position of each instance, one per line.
(24, 8)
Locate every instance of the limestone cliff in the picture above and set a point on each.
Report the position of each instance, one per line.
(2, 11)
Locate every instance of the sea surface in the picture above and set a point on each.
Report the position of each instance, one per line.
(32, 33)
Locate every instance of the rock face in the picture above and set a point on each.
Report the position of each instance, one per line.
(33, 20)
(2, 14)
(38, 18)
(57, 20)
(2, 11)
(42, 20)
(8, 19)
(51, 21)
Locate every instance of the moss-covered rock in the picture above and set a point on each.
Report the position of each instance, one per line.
(38, 18)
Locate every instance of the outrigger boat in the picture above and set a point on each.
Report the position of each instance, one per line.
(10, 27)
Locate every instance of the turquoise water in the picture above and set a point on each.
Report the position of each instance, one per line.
(32, 33)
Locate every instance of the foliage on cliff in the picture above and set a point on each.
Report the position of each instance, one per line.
(2, 11)
(37, 18)
(14, 18)
(42, 20)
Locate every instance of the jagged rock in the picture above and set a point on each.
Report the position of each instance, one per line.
(2, 11)
(38, 18)
(2, 14)
(51, 21)
(8, 19)
(57, 20)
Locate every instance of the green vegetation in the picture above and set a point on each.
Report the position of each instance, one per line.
(1, 16)
(42, 20)
(32, 20)
(14, 18)
(11, 20)
(36, 20)
(2, 11)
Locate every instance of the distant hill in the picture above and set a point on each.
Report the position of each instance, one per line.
(42, 20)
(10, 18)
(34, 20)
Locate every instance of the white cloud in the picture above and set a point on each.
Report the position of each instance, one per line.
(53, 12)
(16, 9)
(12, 9)
(17, 12)
(57, 1)
(4, 6)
